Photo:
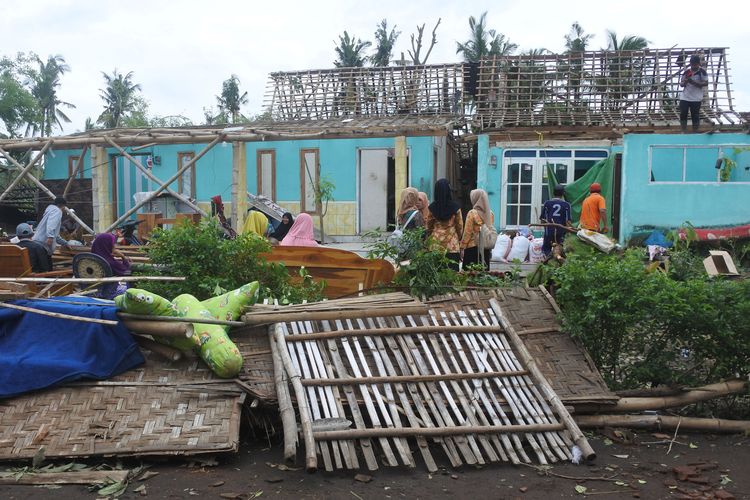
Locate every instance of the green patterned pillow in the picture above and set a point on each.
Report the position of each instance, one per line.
(229, 306)
(211, 341)
(137, 301)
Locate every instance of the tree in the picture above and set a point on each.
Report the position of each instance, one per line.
(484, 42)
(231, 100)
(630, 42)
(44, 82)
(416, 44)
(384, 41)
(119, 96)
(18, 108)
(350, 52)
(577, 40)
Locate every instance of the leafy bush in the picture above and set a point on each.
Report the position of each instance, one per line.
(213, 265)
(649, 328)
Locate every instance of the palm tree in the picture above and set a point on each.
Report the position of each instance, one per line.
(630, 42)
(484, 42)
(384, 41)
(349, 51)
(119, 96)
(576, 42)
(230, 101)
(44, 83)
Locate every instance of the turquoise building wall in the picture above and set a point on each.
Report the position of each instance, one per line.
(669, 203)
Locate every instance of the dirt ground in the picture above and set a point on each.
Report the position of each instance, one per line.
(697, 466)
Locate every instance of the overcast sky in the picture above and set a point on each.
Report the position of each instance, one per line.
(181, 51)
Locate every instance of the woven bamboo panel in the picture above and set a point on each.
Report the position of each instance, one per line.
(257, 367)
(563, 360)
(157, 409)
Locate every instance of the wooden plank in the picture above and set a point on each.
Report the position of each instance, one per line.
(396, 331)
(286, 410)
(261, 318)
(437, 431)
(70, 477)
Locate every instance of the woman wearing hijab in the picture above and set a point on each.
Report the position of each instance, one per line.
(408, 210)
(286, 224)
(423, 205)
(445, 223)
(477, 216)
(256, 223)
(104, 247)
(301, 233)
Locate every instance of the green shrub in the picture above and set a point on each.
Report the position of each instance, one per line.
(213, 265)
(646, 329)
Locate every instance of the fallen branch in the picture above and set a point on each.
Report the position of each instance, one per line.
(663, 422)
(696, 395)
(547, 472)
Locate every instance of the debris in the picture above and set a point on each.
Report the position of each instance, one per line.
(68, 477)
(217, 483)
(363, 478)
(454, 476)
(624, 457)
(693, 445)
(725, 480)
(38, 459)
(141, 490)
(581, 489)
(231, 496)
(274, 480)
(523, 489)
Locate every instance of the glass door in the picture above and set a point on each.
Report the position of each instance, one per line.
(519, 184)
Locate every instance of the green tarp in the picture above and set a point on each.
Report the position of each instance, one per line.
(575, 192)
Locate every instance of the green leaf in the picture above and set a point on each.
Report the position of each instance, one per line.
(725, 480)
(581, 489)
(693, 445)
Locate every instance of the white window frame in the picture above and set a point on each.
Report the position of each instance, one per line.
(721, 147)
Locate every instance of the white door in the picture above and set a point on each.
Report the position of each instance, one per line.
(373, 189)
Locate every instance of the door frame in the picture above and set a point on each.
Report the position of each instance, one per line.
(358, 179)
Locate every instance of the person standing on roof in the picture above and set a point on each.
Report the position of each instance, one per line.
(693, 81)
(40, 261)
(556, 211)
(48, 230)
(594, 210)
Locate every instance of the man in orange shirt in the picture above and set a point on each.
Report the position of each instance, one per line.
(594, 210)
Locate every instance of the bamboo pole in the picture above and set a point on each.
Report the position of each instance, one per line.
(109, 279)
(311, 459)
(411, 378)
(286, 410)
(25, 170)
(658, 403)
(160, 328)
(554, 400)
(663, 422)
(459, 430)
(164, 185)
(69, 477)
(46, 190)
(379, 332)
(166, 351)
(260, 318)
(151, 176)
(58, 315)
(79, 163)
(176, 319)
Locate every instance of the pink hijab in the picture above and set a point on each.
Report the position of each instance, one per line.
(301, 233)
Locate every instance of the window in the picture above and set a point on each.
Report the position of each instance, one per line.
(686, 164)
(72, 163)
(186, 181)
(309, 172)
(266, 173)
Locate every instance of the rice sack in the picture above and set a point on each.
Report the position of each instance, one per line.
(212, 343)
(229, 306)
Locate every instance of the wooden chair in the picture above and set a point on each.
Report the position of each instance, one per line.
(344, 272)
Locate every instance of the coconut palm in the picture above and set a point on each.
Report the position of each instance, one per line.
(230, 101)
(576, 42)
(349, 51)
(44, 82)
(625, 72)
(119, 96)
(630, 42)
(384, 42)
(484, 42)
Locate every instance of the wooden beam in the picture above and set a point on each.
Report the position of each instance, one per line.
(165, 184)
(25, 170)
(151, 176)
(380, 332)
(239, 184)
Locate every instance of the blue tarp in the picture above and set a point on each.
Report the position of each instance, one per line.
(39, 351)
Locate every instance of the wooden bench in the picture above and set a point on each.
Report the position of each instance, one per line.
(344, 272)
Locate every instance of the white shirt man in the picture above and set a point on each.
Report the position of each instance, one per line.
(48, 230)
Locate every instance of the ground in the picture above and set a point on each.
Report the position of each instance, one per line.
(709, 463)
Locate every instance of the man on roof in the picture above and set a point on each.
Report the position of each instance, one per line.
(693, 81)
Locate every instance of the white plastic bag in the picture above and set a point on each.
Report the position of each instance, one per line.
(599, 240)
(501, 247)
(519, 250)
